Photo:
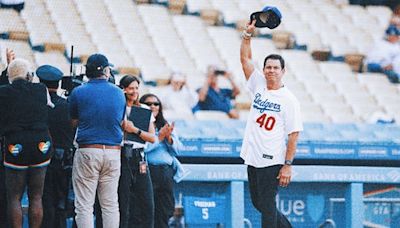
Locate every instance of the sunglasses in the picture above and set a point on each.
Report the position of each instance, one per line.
(152, 103)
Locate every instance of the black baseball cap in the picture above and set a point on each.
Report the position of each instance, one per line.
(97, 62)
(269, 17)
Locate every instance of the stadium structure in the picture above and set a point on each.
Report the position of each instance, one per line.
(347, 165)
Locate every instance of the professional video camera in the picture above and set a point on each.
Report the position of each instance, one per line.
(72, 80)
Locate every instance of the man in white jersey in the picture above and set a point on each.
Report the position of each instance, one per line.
(274, 115)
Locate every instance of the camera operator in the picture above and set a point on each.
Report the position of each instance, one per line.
(97, 108)
(58, 177)
(212, 97)
(23, 122)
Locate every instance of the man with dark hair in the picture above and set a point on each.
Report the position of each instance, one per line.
(58, 176)
(97, 109)
(274, 115)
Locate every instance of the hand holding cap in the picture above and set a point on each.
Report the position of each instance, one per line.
(269, 17)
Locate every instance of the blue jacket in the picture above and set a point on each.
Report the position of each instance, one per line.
(163, 153)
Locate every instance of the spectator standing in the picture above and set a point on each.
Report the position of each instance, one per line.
(97, 109)
(135, 188)
(164, 166)
(212, 97)
(23, 122)
(58, 177)
(274, 115)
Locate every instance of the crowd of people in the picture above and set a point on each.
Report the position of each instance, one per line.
(118, 151)
(91, 146)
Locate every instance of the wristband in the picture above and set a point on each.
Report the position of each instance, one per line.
(246, 35)
(288, 162)
(139, 132)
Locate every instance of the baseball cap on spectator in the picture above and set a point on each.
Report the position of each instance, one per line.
(392, 31)
(49, 75)
(18, 69)
(96, 63)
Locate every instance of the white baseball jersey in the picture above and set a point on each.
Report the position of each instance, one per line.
(273, 115)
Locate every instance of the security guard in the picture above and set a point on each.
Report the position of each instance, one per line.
(56, 201)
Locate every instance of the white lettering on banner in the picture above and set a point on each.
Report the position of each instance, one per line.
(303, 150)
(381, 209)
(293, 209)
(395, 152)
(339, 151)
(204, 203)
(348, 177)
(217, 148)
(394, 175)
(375, 151)
(215, 175)
(190, 148)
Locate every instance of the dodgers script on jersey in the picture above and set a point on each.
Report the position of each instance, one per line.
(273, 115)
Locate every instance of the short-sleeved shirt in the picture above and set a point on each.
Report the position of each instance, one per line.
(220, 101)
(273, 115)
(99, 106)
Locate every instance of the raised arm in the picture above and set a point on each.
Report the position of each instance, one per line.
(245, 50)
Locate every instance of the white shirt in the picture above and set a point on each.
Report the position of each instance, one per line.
(396, 64)
(383, 53)
(181, 101)
(273, 115)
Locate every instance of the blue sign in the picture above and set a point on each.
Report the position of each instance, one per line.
(201, 210)
(305, 149)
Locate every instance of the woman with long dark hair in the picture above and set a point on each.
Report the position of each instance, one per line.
(164, 166)
(135, 189)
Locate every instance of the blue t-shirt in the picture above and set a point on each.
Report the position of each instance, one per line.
(220, 101)
(100, 107)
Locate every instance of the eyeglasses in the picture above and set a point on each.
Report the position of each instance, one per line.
(152, 103)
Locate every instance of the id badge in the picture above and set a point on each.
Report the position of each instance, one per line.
(142, 167)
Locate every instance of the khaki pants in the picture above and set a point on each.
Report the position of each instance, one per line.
(96, 169)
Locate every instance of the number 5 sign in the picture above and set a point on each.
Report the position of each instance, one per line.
(201, 210)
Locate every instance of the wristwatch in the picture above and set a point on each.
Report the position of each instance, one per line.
(288, 162)
(139, 132)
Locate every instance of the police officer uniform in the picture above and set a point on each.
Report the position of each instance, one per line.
(56, 203)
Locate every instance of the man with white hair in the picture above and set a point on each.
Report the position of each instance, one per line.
(23, 123)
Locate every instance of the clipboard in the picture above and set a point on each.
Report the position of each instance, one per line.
(141, 119)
